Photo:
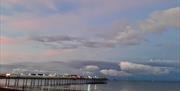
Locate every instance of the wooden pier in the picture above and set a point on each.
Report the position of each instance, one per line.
(47, 81)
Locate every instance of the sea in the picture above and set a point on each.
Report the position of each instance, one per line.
(117, 86)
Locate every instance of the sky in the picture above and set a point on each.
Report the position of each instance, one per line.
(137, 35)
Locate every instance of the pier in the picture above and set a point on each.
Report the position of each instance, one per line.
(30, 81)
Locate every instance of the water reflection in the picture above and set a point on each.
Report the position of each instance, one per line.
(113, 86)
(117, 86)
(85, 87)
(89, 87)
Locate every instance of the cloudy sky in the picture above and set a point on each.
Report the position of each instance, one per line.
(130, 33)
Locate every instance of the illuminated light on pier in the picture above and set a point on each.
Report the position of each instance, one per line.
(8, 74)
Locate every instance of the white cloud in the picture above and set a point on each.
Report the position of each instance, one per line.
(113, 72)
(128, 36)
(142, 69)
(91, 68)
(158, 21)
(161, 20)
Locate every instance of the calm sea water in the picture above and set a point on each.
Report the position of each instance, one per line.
(117, 86)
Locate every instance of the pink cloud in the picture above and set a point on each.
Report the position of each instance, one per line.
(6, 41)
(12, 1)
(25, 24)
(51, 53)
(58, 21)
(12, 41)
(10, 56)
(88, 9)
(32, 4)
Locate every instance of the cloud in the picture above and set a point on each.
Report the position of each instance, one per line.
(31, 5)
(79, 21)
(98, 68)
(26, 70)
(32, 23)
(6, 41)
(143, 69)
(20, 70)
(12, 56)
(51, 53)
(128, 36)
(58, 42)
(54, 38)
(113, 72)
(45, 17)
(29, 18)
(68, 42)
(159, 21)
(94, 7)
(91, 68)
(162, 20)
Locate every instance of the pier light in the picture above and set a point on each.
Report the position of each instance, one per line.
(21, 74)
(90, 77)
(8, 74)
